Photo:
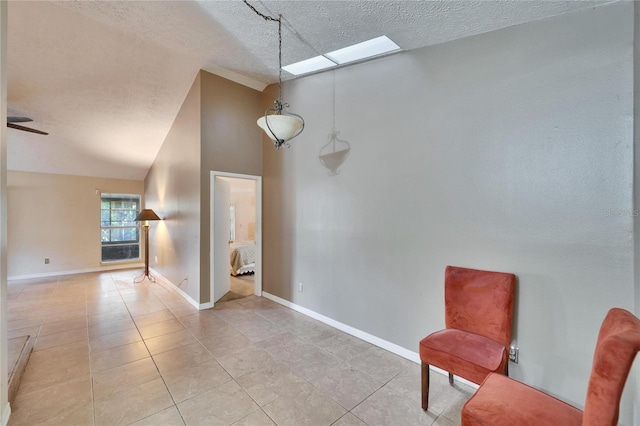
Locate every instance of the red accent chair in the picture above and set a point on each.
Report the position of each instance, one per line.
(478, 316)
(504, 401)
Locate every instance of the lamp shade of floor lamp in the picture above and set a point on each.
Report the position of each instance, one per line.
(145, 216)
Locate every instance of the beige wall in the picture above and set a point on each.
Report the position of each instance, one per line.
(245, 215)
(214, 131)
(57, 217)
(279, 205)
(508, 151)
(172, 189)
(243, 195)
(4, 380)
(231, 142)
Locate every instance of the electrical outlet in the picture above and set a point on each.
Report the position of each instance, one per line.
(513, 354)
(156, 258)
(300, 287)
(46, 260)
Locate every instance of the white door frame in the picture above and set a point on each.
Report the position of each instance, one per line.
(258, 273)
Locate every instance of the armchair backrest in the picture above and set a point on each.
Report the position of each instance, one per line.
(618, 343)
(480, 302)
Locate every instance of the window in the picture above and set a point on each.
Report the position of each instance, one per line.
(120, 234)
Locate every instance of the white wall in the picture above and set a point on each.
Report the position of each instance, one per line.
(58, 217)
(508, 151)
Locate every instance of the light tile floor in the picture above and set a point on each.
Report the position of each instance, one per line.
(110, 352)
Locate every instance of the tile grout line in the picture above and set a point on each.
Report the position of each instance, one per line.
(175, 404)
(93, 398)
(233, 378)
(93, 394)
(341, 361)
(144, 301)
(221, 366)
(309, 382)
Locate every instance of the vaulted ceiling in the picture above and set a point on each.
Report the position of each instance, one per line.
(107, 78)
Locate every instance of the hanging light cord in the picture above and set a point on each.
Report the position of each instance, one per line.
(279, 104)
(266, 18)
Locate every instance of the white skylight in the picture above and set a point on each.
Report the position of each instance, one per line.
(309, 65)
(366, 49)
(357, 52)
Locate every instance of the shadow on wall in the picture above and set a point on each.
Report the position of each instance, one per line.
(334, 153)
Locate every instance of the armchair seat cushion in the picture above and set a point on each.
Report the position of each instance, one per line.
(493, 405)
(463, 354)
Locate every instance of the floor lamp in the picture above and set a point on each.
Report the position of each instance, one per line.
(146, 215)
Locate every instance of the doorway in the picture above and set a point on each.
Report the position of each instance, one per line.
(236, 236)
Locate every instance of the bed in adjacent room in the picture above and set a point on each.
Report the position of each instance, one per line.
(243, 257)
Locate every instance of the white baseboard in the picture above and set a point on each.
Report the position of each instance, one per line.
(76, 271)
(391, 347)
(178, 290)
(370, 338)
(6, 413)
(199, 306)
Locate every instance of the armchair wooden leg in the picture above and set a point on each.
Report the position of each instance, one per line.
(451, 379)
(425, 386)
(506, 369)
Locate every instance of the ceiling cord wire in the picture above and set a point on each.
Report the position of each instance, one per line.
(280, 106)
(286, 24)
(279, 21)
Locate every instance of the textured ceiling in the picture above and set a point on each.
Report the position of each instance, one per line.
(106, 78)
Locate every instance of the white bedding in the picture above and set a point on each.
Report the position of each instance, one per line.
(243, 257)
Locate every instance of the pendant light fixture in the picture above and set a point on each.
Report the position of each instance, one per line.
(278, 123)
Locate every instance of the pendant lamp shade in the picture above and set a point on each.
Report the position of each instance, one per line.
(281, 127)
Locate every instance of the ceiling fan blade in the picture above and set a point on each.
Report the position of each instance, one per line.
(26, 129)
(18, 119)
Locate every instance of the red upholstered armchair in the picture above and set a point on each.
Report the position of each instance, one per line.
(502, 401)
(478, 316)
